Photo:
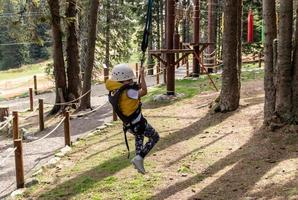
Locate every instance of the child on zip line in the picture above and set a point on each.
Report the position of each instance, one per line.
(125, 97)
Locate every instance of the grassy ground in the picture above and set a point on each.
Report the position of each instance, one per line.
(27, 70)
(199, 156)
(189, 88)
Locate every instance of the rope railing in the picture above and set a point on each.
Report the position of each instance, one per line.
(86, 113)
(32, 114)
(50, 133)
(69, 102)
(212, 58)
(209, 54)
(7, 156)
(161, 72)
(6, 122)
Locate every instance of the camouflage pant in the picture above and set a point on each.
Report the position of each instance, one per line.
(144, 130)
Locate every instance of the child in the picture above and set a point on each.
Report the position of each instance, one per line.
(124, 95)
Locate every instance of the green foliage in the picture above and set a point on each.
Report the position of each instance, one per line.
(121, 26)
(22, 25)
(256, 8)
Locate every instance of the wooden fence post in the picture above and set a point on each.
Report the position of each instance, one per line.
(106, 74)
(35, 84)
(41, 116)
(31, 99)
(187, 67)
(19, 163)
(15, 123)
(157, 72)
(260, 59)
(137, 70)
(4, 112)
(67, 129)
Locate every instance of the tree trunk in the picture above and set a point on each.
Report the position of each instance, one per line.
(269, 15)
(230, 94)
(212, 26)
(196, 36)
(72, 50)
(150, 62)
(284, 76)
(86, 100)
(159, 25)
(239, 41)
(59, 67)
(107, 42)
(295, 75)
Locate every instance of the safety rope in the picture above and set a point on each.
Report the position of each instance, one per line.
(86, 113)
(7, 156)
(73, 101)
(209, 54)
(212, 58)
(6, 122)
(33, 113)
(48, 133)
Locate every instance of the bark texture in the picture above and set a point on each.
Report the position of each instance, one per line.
(59, 66)
(269, 15)
(230, 94)
(72, 50)
(284, 76)
(86, 100)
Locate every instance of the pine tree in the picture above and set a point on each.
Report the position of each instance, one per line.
(13, 55)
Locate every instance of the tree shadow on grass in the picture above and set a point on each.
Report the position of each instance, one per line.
(241, 169)
(88, 179)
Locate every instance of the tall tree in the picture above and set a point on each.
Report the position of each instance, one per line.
(295, 74)
(107, 37)
(196, 36)
(230, 93)
(269, 15)
(59, 66)
(86, 100)
(239, 41)
(72, 52)
(212, 24)
(284, 70)
(12, 54)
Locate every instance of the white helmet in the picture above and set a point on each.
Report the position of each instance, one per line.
(122, 72)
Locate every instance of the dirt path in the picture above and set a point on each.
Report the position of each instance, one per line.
(201, 156)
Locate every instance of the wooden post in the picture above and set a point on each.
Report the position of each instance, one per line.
(4, 112)
(137, 70)
(187, 67)
(35, 84)
(106, 74)
(41, 119)
(67, 129)
(19, 163)
(115, 118)
(157, 72)
(31, 98)
(15, 125)
(260, 59)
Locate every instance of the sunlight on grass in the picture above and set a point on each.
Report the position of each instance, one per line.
(27, 70)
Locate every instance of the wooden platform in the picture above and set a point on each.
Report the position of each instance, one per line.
(170, 51)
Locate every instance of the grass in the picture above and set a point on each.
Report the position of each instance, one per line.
(95, 174)
(191, 87)
(26, 70)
